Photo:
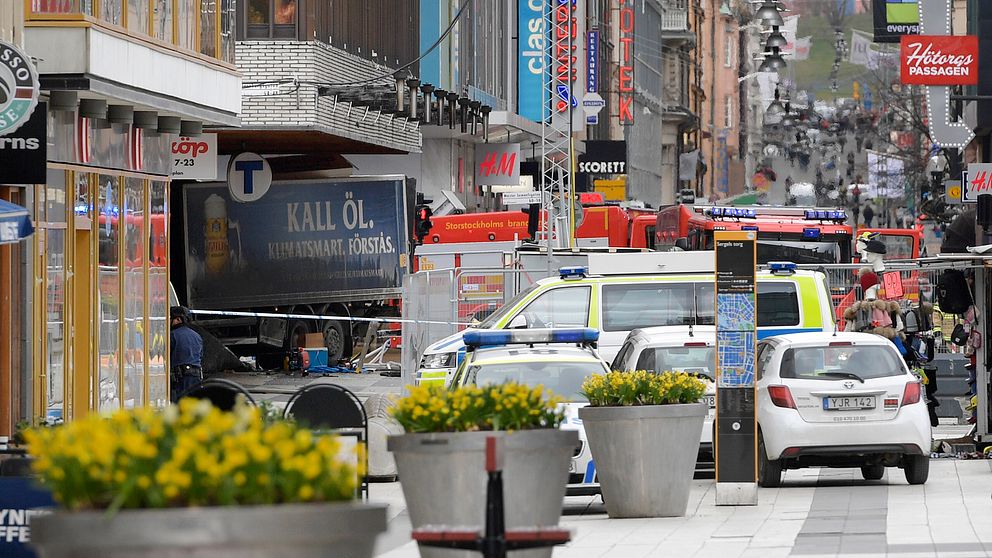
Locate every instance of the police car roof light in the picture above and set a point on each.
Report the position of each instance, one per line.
(573, 272)
(493, 338)
(785, 268)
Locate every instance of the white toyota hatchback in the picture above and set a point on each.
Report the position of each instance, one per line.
(843, 400)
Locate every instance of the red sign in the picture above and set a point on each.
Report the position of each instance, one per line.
(565, 33)
(939, 59)
(625, 73)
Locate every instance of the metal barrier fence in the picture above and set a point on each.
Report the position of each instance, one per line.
(443, 302)
(917, 284)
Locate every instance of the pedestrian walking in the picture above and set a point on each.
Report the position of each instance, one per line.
(186, 353)
(859, 142)
(850, 165)
(869, 214)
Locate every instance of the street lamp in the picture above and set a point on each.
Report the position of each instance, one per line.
(769, 14)
(775, 40)
(936, 166)
(773, 61)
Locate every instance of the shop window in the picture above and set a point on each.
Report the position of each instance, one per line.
(227, 20)
(52, 236)
(112, 11)
(158, 296)
(186, 14)
(271, 19)
(108, 301)
(208, 27)
(137, 16)
(135, 249)
(163, 19)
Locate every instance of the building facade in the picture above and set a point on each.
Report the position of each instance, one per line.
(719, 44)
(87, 295)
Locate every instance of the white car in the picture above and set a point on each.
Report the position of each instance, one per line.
(558, 359)
(842, 400)
(676, 349)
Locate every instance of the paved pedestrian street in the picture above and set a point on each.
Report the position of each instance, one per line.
(818, 513)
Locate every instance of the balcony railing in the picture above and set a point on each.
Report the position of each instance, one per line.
(675, 19)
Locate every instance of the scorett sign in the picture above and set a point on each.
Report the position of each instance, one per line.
(939, 59)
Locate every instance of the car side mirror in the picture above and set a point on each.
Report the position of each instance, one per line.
(682, 243)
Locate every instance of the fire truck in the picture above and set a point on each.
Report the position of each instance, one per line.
(601, 226)
(900, 244)
(799, 235)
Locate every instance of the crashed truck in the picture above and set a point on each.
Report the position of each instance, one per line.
(318, 253)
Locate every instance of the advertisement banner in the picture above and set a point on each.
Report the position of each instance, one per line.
(21, 500)
(302, 241)
(592, 61)
(195, 158)
(803, 46)
(24, 152)
(497, 164)
(532, 33)
(939, 60)
(604, 157)
(886, 177)
(895, 18)
(860, 48)
(977, 181)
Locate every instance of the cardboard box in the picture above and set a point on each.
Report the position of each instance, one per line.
(313, 340)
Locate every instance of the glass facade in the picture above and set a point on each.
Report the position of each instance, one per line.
(102, 241)
(109, 293)
(204, 26)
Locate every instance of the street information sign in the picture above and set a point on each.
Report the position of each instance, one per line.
(735, 442)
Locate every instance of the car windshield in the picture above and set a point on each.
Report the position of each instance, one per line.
(561, 378)
(798, 252)
(695, 360)
(496, 316)
(835, 362)
(897, 246)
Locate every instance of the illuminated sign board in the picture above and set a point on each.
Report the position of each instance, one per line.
(625, 73)
(532, 30)
(939, 59)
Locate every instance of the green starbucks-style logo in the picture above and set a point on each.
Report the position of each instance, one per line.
(18, 88)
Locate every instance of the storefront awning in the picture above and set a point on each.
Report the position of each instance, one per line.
(15, 223)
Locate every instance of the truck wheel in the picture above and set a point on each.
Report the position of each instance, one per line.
(334, 340)
(296, 332)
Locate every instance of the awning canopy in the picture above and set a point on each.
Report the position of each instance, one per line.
(15, 223)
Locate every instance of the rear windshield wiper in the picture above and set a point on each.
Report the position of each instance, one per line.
(845, 375)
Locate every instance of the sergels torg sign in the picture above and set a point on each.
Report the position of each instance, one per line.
(939, 60)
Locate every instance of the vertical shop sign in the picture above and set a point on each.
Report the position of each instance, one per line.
(567, 32)
(625, 73)
(532, 33)
(592, 61)
(735, 443)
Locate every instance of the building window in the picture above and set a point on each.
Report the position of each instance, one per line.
(271, 19)
(728, 111)
(163, 20)
(728, 53)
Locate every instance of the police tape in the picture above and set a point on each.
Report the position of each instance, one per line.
(239, 314)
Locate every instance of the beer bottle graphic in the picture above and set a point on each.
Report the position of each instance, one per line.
(217, 247)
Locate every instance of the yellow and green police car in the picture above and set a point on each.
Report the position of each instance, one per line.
(558, 359)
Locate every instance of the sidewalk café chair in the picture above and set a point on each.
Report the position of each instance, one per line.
(221, 393)
(325, 406)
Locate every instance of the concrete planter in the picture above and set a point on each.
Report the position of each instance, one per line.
(444, 480)
(645, 456)
(288, 531)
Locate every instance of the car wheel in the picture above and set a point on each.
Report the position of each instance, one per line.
(873, 472)
(917, 468)
(769, 470)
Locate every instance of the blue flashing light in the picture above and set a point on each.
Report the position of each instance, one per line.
(811, 233)
(573, 272)
(785, 268)
(749, 228)
(495, 338)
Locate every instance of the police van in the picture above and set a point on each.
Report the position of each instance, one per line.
(617, 293)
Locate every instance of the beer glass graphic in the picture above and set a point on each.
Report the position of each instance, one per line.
(218, 248)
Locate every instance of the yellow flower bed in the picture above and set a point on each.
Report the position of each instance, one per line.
(623, 389)
(509, 406)
(188, 455)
